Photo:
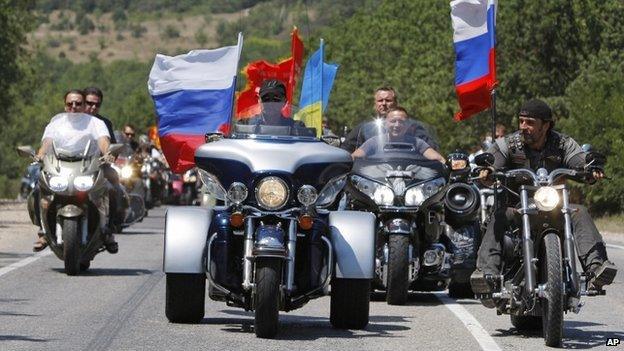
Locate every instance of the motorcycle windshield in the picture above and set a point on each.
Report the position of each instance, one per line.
(398, 160)
(276, 121)
(72, 135)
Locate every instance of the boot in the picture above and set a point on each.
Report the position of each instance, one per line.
(109, 241)
(601, 275)
(41, 242)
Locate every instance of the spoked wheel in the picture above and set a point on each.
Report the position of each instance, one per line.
(71, 246)
(552, 304)
(267, 297)
(398, 269)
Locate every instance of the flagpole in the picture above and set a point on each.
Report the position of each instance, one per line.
(493, 115)
(322, 63)
(240, 49)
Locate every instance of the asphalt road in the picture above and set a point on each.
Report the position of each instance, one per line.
(119, 305)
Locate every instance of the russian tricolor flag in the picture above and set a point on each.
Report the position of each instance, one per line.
(193, 94)
(474, 23)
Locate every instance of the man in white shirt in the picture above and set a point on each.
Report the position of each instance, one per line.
(69, 131)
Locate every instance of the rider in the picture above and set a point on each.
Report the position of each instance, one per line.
(537, 145)
(396, 127)
(272, 96)
(385, 99)
(68, 128)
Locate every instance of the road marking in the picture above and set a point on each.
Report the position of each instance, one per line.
(615, 246)
(470, 322)
(24, 262)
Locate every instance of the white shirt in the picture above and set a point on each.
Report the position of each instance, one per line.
(71, 132)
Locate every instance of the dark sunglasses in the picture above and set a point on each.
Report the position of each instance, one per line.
(129, 134)
(72, 103)
(93, 103)
(272, 98)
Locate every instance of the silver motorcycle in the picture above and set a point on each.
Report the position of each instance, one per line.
(72, 204)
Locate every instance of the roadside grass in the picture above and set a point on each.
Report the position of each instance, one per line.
(611, 223)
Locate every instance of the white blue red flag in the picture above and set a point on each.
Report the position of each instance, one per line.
(474, 23)
(193, 95)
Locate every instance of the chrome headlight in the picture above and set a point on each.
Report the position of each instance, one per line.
(58, 183)
(546, 198)
(83, 183)
(307, 195)
(272, 193)
(381, 194)
(416, 195)
(212, 185)
(237, 192)
(127, 171)
(331, 190)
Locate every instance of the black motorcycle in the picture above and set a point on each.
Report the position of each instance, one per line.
(539, 281)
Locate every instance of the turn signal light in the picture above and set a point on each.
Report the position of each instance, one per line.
(305, 222)
(237, 219)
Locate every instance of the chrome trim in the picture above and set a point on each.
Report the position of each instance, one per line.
(292, 248)
(247, 249)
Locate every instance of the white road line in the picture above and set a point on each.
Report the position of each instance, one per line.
(615, 246)
(470, 322)
(24, 262)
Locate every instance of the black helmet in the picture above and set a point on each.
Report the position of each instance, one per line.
(273, 86)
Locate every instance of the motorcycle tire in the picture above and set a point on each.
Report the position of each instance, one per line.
(526, 323)
(398, 269)
(71, 246)
(267, 297)
(460, 291)
(350, 302)
(185, 296)
(84, 266)
(551, 274)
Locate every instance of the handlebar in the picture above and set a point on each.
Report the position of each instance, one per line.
(541, 177)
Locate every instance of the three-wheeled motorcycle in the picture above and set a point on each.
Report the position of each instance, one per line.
(274, 244)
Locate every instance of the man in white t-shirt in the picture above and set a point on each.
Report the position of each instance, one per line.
(70, 132)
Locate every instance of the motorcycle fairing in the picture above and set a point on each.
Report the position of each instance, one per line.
(186, 236)
(353, 237)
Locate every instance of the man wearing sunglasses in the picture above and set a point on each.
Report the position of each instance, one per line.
(273, 99)
(93, 102)
(69, 129)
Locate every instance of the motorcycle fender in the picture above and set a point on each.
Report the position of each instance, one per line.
(70, 211)
(186, 236)
(353, 237)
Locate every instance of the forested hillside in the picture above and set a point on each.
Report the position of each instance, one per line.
(565, 51)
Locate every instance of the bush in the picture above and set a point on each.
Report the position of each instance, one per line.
(171, 32)
(137, 30)
(85, 26)
(200, 37)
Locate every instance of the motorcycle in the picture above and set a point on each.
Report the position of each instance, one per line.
(274, 244)
(72, 193)
(129, 171)
(426, 227)
(536, 295)
(29, 180)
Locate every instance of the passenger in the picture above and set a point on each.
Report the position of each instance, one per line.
(396, 126)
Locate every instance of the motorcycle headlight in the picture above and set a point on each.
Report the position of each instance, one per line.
(237, 192)
(307, 195)
(546, 198)
(83, 183)
(272, 193)
(331, 190)
(381, 194)
(58, 183)
(127, 171)
(212, 185)
(416, 195)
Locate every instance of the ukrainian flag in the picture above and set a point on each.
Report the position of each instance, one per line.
(318, 79)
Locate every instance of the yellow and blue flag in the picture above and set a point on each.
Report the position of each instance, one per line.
(318, 79)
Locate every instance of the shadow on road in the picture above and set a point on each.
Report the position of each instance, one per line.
(295, 327)
(21, 338)
(3, 313)
(110, 272)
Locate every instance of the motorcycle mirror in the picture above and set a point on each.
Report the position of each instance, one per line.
(484, 160)
(331, 140)
(115, 149)
(210, 137)
(25, 151)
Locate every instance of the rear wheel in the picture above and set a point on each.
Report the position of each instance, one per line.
(267, 297)
(350, 302)
(398, 269)
(185, 297)
(71, 246)
(552, 304)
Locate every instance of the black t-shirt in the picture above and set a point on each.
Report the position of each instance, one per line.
(109, 126)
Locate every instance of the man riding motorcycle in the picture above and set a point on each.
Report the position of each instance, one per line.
(537, 145)
(67, 130)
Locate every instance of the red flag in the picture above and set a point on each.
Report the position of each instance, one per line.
(287, 70)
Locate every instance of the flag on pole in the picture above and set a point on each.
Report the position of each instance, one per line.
(256, 72)
(193, 95)
(318, 79)
(474, 23)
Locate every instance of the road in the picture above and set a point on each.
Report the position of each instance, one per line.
(119, 305)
